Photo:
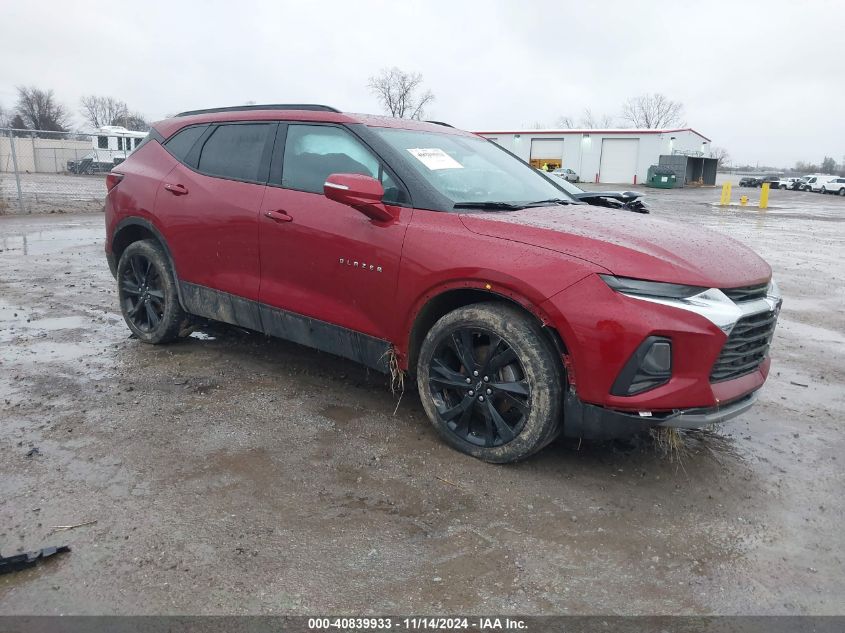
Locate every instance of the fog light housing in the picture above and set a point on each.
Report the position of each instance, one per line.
(649, 366)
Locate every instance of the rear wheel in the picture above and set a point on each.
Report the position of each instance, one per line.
(824, 190)
(491, 383)
(147, 292)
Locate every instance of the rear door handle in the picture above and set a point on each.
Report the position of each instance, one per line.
(176, 190)
(278, 216)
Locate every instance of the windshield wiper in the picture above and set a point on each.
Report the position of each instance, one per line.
(504, 206)
(540, 203)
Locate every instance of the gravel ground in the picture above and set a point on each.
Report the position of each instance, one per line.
(228, 473)
(52, 193)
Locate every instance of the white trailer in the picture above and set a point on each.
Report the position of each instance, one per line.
(111, 145)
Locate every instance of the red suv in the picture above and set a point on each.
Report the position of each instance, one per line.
(416, 247)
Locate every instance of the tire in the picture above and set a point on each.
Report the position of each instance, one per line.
(783, 186)
(146, 289)
(521, 408)
(842, 191)
(823, 190)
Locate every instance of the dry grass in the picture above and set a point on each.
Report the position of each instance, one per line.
(670, 444)
(4, 206)
(397, 376)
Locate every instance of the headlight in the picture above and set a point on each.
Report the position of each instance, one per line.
(711, 303)
(659, 289)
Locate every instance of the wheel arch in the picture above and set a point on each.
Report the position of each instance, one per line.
(435, 305)
(135, 229)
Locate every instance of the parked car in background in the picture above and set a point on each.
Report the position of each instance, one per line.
(787, 183)
(834, 185)
(749, 181)
(772, 179)
(414, 247)
(90, 164)
(567, 174)
(798, 185)
(808, 182)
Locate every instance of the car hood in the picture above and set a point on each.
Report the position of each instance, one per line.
(629, 245)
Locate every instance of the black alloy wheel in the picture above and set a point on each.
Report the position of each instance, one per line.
(479, 388)
(491, 382)
(146, 289)
(142, 289)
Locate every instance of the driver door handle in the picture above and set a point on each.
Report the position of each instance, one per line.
(278, 216)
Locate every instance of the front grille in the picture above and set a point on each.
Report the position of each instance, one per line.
(747, 293)
(746, 347)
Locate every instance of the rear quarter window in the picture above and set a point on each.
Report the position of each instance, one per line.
(181, 143)
(234, 151)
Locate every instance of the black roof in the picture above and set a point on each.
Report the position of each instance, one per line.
(269, 106)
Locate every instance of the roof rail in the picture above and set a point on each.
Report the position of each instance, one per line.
(440, 123)
(270, 106)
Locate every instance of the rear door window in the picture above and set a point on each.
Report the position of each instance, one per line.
(235, 151)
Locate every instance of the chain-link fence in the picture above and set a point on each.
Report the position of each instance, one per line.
(58, 171)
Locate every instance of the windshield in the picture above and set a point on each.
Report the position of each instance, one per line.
(569, 187)
(471, 171)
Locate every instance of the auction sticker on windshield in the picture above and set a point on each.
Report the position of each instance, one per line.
(434, 158)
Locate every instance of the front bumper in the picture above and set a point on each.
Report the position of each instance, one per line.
(589, 421)
(603, 328)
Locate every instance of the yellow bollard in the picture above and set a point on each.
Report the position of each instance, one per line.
(726, 195)
(764, 196)
(743, 200)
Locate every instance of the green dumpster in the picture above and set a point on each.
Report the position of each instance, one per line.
(661, 177)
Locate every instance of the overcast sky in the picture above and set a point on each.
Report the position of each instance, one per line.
(762, 79)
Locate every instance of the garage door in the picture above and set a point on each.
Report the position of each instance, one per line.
(618, 160)
(547, 151)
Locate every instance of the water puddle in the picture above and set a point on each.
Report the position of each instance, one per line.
(51, 240)
(60, 323)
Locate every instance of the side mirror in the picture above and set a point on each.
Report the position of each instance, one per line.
(362, 193)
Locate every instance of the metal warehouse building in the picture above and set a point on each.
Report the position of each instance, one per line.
(614, 156)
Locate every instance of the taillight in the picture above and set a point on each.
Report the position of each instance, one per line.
(112, 180)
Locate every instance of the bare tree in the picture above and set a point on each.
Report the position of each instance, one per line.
(100, 111)
(596, 122)
(5, 119)
(721, 155)
(133, 121)
(397, 92)
(565, 122)
(828, 165)
(39, 110)
(651, 111)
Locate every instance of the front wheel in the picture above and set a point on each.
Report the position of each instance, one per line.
(842, 192)
(491, 383)
(146, 288)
